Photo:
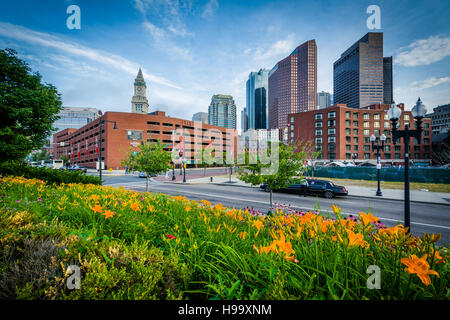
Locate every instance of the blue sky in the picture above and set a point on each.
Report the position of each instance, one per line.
(190, 50)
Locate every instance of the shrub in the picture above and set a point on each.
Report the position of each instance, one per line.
(52, 176)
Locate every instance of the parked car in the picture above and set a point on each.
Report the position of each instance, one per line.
(324, 188)
(143, 174)
(77, 168)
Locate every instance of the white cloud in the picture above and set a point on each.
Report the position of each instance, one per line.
(210, 9)
(424, 52)
(428, 83)
(276, 51)
(46, 40)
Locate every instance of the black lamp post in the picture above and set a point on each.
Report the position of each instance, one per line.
(173, 170)
(377, 147)
(184, 172)
(394, 113)
(100, 162)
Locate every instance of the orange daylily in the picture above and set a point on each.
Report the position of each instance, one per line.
(95, 197)
(108, 214)
(258, 224)
(325, 225)
(367, 218)
(335, 209)
(420, 267)
(356, 239)
(97, 208)
(135, 207)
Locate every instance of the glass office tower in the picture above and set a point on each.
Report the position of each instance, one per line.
(222, 111)
(255, 81)
(358, 73)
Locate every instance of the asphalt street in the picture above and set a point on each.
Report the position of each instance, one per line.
(425, 217)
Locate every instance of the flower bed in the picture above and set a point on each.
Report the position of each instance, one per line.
(131, 245)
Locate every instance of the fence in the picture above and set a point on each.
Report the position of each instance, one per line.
(416, 174)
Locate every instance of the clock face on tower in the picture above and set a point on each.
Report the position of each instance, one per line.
(139, 89)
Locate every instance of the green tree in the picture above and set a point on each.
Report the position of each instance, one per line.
(288, 168)
(149, 158)
(28, 108)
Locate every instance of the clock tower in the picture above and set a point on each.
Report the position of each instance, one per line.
(139, 102)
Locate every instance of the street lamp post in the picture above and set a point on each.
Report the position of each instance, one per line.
(394, 113)
(184, 172)
(378, 148)
(100, 162)
(173, 170)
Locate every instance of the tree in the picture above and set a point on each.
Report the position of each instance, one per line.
(28, 108)
(288, 167)
(149, 158)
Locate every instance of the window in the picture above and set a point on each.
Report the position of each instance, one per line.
(426, 141)
(348, 131)
(355, 139)
(319, 124)
(386, 117)
(366, 132)
(355, 115)
(387, 148)
(292, 119)
(331, 147)
(348, 139)
(292, 134)
(376, 132)
(348, 156)
(366, 155)
(331, 155)
(331, 139)
(355, 123)
(406, 117)
(366, 116)
(417, 155)
(376, 116)
(355, 132)
(347, 123)
(318, 140)
(426, 125)
(376, 124)
(387, 133)
(397, 156)
(388, 140)
(387, 156)
(319, 116)
(347, 114)
(292, 127)
(366, 140)
(331, 114)
(332, 131)
(426, 155)
(426, 148)
(331, 123)
(318, 132)
(355, 147)
(366, 148)
(366, 124)
(348, 147)
(426, 133)
(318, 147)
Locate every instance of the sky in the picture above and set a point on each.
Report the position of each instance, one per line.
(190, 50)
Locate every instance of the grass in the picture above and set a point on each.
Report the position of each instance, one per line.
(131, 245)
(432, 187)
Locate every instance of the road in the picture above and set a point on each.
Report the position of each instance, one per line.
(425, 217)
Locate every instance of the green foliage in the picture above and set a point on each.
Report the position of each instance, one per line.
(28, 108)
(149, 158)
(51, 176)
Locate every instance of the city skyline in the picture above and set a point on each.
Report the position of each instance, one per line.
(186, 55)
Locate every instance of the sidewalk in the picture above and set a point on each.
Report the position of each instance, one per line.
(356, 191)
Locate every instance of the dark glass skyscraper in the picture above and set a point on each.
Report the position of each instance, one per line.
(260, 108)
(359, 73)
(388, 96)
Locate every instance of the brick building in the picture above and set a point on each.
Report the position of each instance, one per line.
(340, 132)
(82, 145)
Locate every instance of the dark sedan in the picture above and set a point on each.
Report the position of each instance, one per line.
(315, 187)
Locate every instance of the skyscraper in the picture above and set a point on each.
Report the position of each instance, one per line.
(323, 100)
(388, 97)
(222, 111)
(200, 117)
(293, 85)
(255, 81)
(359, 73)
(139, 102)
(244, 120)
